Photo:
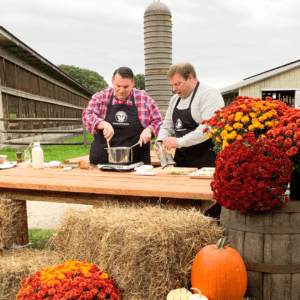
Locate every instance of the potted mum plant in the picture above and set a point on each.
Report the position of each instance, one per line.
(251, 175)
(71, 280)
(286, 135)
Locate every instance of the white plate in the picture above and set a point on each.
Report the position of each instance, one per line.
(146, 173)
(8, 165)
(54, 163)
(143, 168)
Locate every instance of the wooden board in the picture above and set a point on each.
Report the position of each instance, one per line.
(201, 177)
(76, 160)
(167, 170)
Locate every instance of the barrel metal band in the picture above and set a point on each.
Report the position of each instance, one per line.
(267, 229)
(275, 269)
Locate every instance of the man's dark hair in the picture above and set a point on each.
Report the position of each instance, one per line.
(124, 72)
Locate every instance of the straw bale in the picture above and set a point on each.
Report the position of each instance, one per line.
(18, 264)
(147, 250)
(9, 221)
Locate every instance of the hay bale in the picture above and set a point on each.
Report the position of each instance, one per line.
(18, 264)
(147, 250)
(9, 221)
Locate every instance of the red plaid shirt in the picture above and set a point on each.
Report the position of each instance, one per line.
(148, 111)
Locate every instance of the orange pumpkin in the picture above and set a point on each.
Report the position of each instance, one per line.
(219, 272)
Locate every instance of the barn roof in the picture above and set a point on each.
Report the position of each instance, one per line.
(259, 77)
(17, 48)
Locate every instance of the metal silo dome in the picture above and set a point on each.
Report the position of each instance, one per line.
(158, 53)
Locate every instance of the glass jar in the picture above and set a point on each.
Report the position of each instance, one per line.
(27, 158)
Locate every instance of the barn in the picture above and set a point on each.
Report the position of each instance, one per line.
(35, 95)
(282, 83)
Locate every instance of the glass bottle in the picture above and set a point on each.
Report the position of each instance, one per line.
(37, 156)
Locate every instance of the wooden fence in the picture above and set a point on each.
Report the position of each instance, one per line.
(43, 131)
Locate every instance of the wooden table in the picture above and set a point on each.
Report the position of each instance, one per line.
(92, 187)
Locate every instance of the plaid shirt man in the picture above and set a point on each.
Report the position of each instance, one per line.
(148, 111)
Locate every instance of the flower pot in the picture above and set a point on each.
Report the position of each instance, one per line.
(269, 244)
(295, 185)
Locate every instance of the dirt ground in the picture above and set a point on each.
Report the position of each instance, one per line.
(46, 215)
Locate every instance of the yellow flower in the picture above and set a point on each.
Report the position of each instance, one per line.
(215, 130)
(224, 144)
(223, 133)
(245, 119)
(208, 135)
(239, 137)
(228, 127)
(238, 125)
(238, 117)
(218, 139)
(251, 127)
(233, 135)
(253, 115)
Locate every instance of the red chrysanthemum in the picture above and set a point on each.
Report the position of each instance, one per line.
(251, 175)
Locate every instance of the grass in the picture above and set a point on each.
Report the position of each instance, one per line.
(55, 152)
(39, 238)
(58, 152)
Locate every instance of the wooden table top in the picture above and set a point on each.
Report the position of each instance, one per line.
(103, 182)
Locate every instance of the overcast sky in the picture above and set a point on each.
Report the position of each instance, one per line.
(226, 40)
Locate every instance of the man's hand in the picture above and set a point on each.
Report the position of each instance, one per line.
(145, 136)
(108, 130)
(170, 142)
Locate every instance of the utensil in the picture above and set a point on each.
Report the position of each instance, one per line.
(165, 158)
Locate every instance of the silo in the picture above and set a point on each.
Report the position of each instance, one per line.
(158, 53)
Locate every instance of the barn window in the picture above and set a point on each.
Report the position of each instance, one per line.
(286, 96)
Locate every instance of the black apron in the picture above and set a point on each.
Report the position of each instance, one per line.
(127, 127)
(196, 156)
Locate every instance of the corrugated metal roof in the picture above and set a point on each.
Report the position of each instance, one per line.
(259, 77)
(17, 48)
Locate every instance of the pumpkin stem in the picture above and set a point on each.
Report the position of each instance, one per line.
(197, 290)
(220, 244)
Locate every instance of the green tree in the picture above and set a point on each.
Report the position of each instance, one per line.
(139, 81)
(90, 79)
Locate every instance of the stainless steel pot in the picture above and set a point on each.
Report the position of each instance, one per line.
(120, 155)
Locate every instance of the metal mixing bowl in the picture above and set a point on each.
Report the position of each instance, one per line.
(118, 155)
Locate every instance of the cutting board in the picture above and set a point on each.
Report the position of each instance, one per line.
(175, 169)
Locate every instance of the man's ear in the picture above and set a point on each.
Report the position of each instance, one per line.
(113, 80)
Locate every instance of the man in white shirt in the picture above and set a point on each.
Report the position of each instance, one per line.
(182, 129)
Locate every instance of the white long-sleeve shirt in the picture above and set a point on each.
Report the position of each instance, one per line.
(206, 101)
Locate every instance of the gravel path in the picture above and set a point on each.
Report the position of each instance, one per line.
(46, 215)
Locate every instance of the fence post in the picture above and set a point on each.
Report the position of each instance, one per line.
(84, 136)
(2, 136)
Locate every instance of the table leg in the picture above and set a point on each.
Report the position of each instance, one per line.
(20, 223)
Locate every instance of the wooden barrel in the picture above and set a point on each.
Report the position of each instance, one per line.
(269, 243)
